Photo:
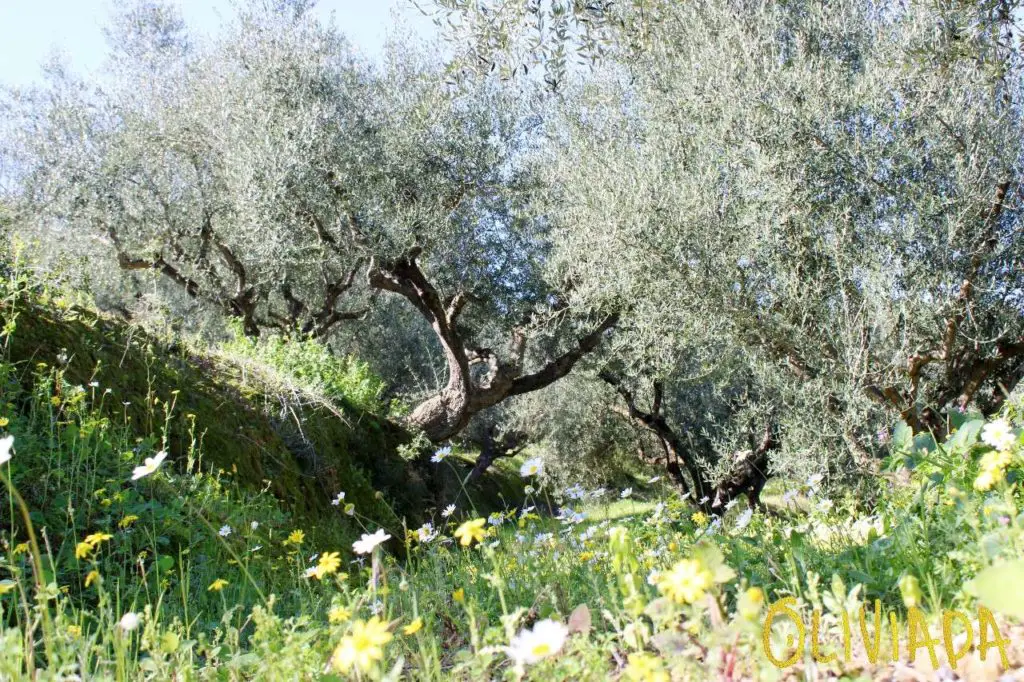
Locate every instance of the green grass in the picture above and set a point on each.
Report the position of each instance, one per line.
(446, 611)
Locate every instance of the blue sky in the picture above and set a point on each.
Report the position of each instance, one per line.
(31, 30)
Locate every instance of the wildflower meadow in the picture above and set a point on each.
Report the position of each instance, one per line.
(634, 341)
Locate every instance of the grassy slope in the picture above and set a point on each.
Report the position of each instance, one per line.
(264, 432)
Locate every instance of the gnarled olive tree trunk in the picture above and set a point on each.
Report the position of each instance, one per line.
(466, 393)
(749, 472)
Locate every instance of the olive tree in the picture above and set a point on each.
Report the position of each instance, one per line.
(272, 173)
(830, 193)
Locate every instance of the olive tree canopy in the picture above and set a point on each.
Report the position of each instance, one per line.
(272, 173)
(828, 194)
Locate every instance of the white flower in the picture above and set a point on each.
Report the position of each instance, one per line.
(149, 466)
(368, 543)
(813, 480)
(441, 454)
(224, 531)
(575, 493)
(425, 533)
(998, 434)
(129, 621)
(254, 525)
(526, 510)
(731, 503)
(5, 449)
(626, 493)
(788, 496)
(309, 572)
(496, 519)
(653, 479)
(532, 467)
(599, 492)
(743, 520)
(652, 577)
(339, 498)
(545, 639)
(448, 511)
(825, 506)
(703, 500)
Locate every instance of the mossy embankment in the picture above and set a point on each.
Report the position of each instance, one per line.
(240, 418)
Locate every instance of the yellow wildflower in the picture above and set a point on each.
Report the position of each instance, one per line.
(644, 667)
(910, 590)
(413, 627)
(470, 531)
(700, 518)
(91, 577)
(20, 548)
(217, 585)
(295, 538)
(363, 648)
(75, 631)
(97, 538)
(686, 582)
(82, 550)
(459, 595)
(329, 563)
(750, 602)
(986, 479)
(127, 521)
(338, 614)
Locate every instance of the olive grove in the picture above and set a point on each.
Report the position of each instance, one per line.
(814, 210)
(274, 175)
(758, 233)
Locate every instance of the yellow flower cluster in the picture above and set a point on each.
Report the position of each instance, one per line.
(328, 564)
(363, 648)
(470, 531)
(993, 469)
(686, 582)
(87, 546)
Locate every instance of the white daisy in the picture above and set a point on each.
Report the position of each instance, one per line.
(545, 639)
(224, 531)
(998, 434)
(448, 511)
(338, 499)
(743, 520)
(367, 543)
(532, 467)
(150, 465)
(626, 493)
(5, 449)
(129, 621)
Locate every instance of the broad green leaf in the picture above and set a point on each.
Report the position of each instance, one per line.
(997, 587)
